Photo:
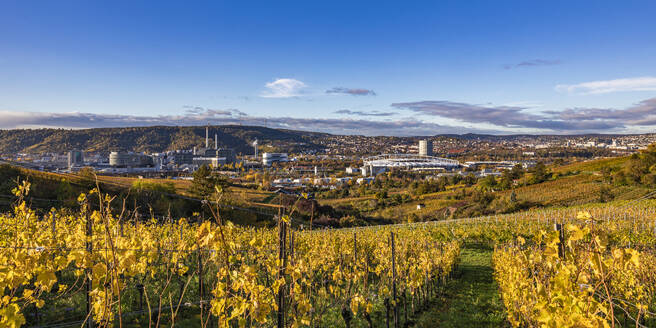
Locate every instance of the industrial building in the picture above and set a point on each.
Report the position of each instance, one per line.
(213, 156)
(181, 158)
(228, 154)
(75, 158)
(119, 159)
(214, 162)
(425, 147)
(269, 158)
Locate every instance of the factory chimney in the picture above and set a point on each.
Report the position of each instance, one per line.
(255, 146)
(207, 136)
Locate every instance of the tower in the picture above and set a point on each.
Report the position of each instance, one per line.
(75, 157)
(255, 146)
(425, 147)
(216, 141)
(207, 136)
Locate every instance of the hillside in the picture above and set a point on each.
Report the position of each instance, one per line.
(150, 139)
(576, 183)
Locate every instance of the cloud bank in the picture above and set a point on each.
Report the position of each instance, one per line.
(646, 83)
(351, 91)
(198, 117)
(500, 119)
(533, 63)
(574, 120)
(361, 113)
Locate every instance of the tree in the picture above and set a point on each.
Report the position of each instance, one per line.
(381, 195)
(606, 174)
(488, 183)
(540, 173)
(205, 181)
(65, 192)
(517, 171)
(506, 180)
(605, 194)
(469, 180)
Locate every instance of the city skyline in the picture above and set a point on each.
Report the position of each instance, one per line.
(343, 68)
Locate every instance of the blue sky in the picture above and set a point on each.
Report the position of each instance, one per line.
(417, 68)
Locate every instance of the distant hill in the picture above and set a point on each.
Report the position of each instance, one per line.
(163, 138)
(151, 139)
(513, 137)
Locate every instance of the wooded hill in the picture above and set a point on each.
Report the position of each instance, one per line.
(151, 139)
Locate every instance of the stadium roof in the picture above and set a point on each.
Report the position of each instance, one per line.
(409, 161)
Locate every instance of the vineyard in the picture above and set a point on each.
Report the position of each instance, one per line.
(93, 267)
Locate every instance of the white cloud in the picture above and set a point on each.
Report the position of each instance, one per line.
(283, 88)
(646, 83)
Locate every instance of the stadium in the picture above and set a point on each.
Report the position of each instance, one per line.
(376, 164)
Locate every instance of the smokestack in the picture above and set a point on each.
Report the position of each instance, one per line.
(216, 141)
(255, 146)
(207, 137)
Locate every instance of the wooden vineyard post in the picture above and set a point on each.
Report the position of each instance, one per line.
(387, 311)
(394, 298)
(312, 215)
(88, 273)
(200, 283)
(355, 249)
(282, 232)
(561, 236)
(291, 245)
(405, 305)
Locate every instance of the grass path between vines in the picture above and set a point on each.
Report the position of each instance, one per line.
(471, 299)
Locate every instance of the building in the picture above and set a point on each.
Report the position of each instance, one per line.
(269, 158)
(214, 162)
(75, 158)
(352, 170)
(499, 165)
(216, 155)
(369, 170)
(228, 154)
(181, 158)
(425, 147)
(364, 180)
(374, 165)
(488, 172)
(205, 152)
(118, 159)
